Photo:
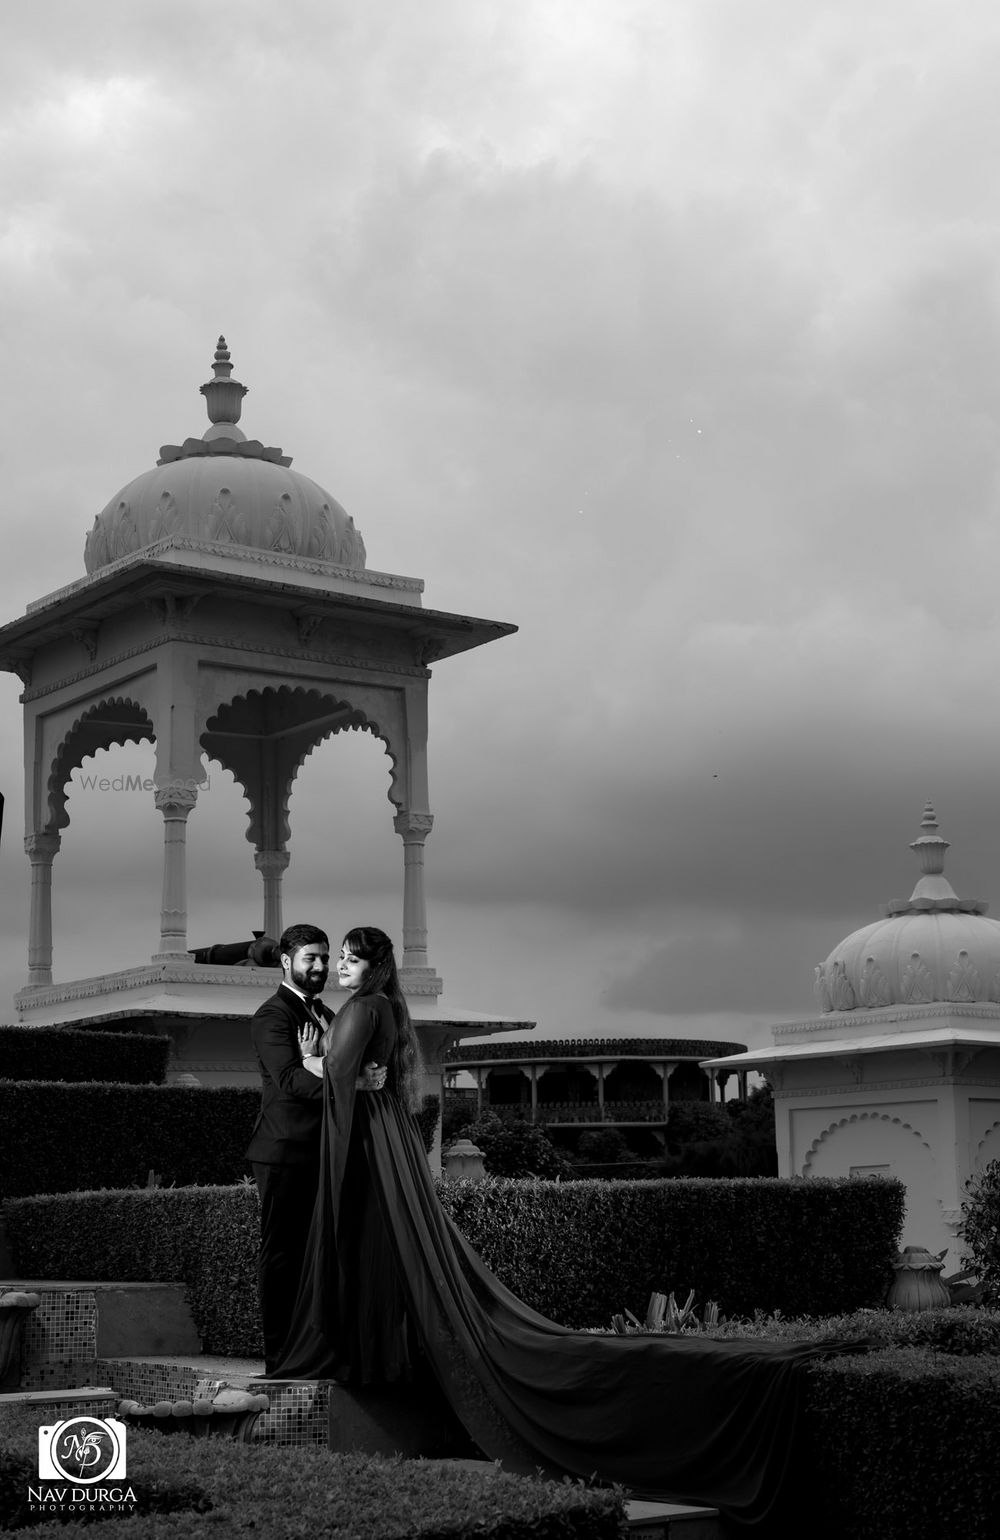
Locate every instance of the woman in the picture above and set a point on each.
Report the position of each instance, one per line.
(390, 1279)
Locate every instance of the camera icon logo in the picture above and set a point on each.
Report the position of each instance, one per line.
(82, 1449)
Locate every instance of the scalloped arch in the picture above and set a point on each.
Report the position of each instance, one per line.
(860, 1117)
(977, 1163)
(260, 703)
(72, 751)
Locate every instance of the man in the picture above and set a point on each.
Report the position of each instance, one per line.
(284, 1148)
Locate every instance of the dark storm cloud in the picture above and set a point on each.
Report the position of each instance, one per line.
(667, 333)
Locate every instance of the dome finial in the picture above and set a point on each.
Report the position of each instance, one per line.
(223, 396)
(929, 844)
(933, 890)
(222, 368)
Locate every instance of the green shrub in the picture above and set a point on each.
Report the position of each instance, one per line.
(516, 1148)
(960, 1330)
(66, 1138)
(160, 1486)
(71, 1054)
(205, 1237)
(905, 1442)
(580, 1251)
(577, 1251)
(980, 1229)
(459, 1112)
(722, 1139)
(286, 1493)
(427, 1119)
(604, 1145)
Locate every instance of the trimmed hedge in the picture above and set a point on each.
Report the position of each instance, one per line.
(905, 1442)
(804, 1247)
(67, 1138)
(226, 1489)
(72, 1054)
(205, 1237)
(963, 1331)
(577, 1251)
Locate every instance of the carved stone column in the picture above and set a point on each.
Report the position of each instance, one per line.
(414, 829)
(175, 803)
(665, 1069)
(41, 850)
(272, 864)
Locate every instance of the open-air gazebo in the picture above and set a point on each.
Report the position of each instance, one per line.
(226, 611)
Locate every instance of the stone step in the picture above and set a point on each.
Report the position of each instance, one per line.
(83, 1400)
(672, 1521)
(85, 1319)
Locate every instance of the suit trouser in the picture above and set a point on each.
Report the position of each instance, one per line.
(287, 1198)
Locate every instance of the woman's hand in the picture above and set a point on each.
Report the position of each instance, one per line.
(308, 1040)
(372, 1078)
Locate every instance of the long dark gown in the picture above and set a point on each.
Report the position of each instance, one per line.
(389, 1277)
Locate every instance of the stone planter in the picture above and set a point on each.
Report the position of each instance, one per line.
(15, 1308)
(232, 1414)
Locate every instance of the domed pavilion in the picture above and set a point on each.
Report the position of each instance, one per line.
(899, 1072)
(227, 611)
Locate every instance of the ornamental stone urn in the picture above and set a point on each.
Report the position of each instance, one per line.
(463, 1159)
(15, 1308)
(918, 1284)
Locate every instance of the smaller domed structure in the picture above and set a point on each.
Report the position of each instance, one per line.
(931, 947)
(225, 488)
(899, 1074)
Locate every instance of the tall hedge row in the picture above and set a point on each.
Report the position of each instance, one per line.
(64, 1138)
(577, 1251)
(73, 1054)
(805, 1247)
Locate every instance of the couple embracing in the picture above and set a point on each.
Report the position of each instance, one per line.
(294, 1035)
(365, 1280)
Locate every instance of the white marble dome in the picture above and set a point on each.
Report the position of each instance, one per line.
(933, 947)
(225, 488)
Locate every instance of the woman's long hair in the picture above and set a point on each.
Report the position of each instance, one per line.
(374, 947)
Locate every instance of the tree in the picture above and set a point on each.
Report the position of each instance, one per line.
(980, 1228)
(516, 1148)
(604, 1146)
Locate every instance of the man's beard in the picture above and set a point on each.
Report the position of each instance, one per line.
(310, 984)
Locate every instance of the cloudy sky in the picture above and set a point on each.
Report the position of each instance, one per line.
(669, 332)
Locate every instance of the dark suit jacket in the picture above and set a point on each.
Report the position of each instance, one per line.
(287, 1131)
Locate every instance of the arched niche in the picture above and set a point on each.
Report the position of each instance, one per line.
(569, 1083)
(875, 1141)
(508, 1087)
(344, 849)
(632, 1081)
(689, 1083)
(112, 830)
(116, 720)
